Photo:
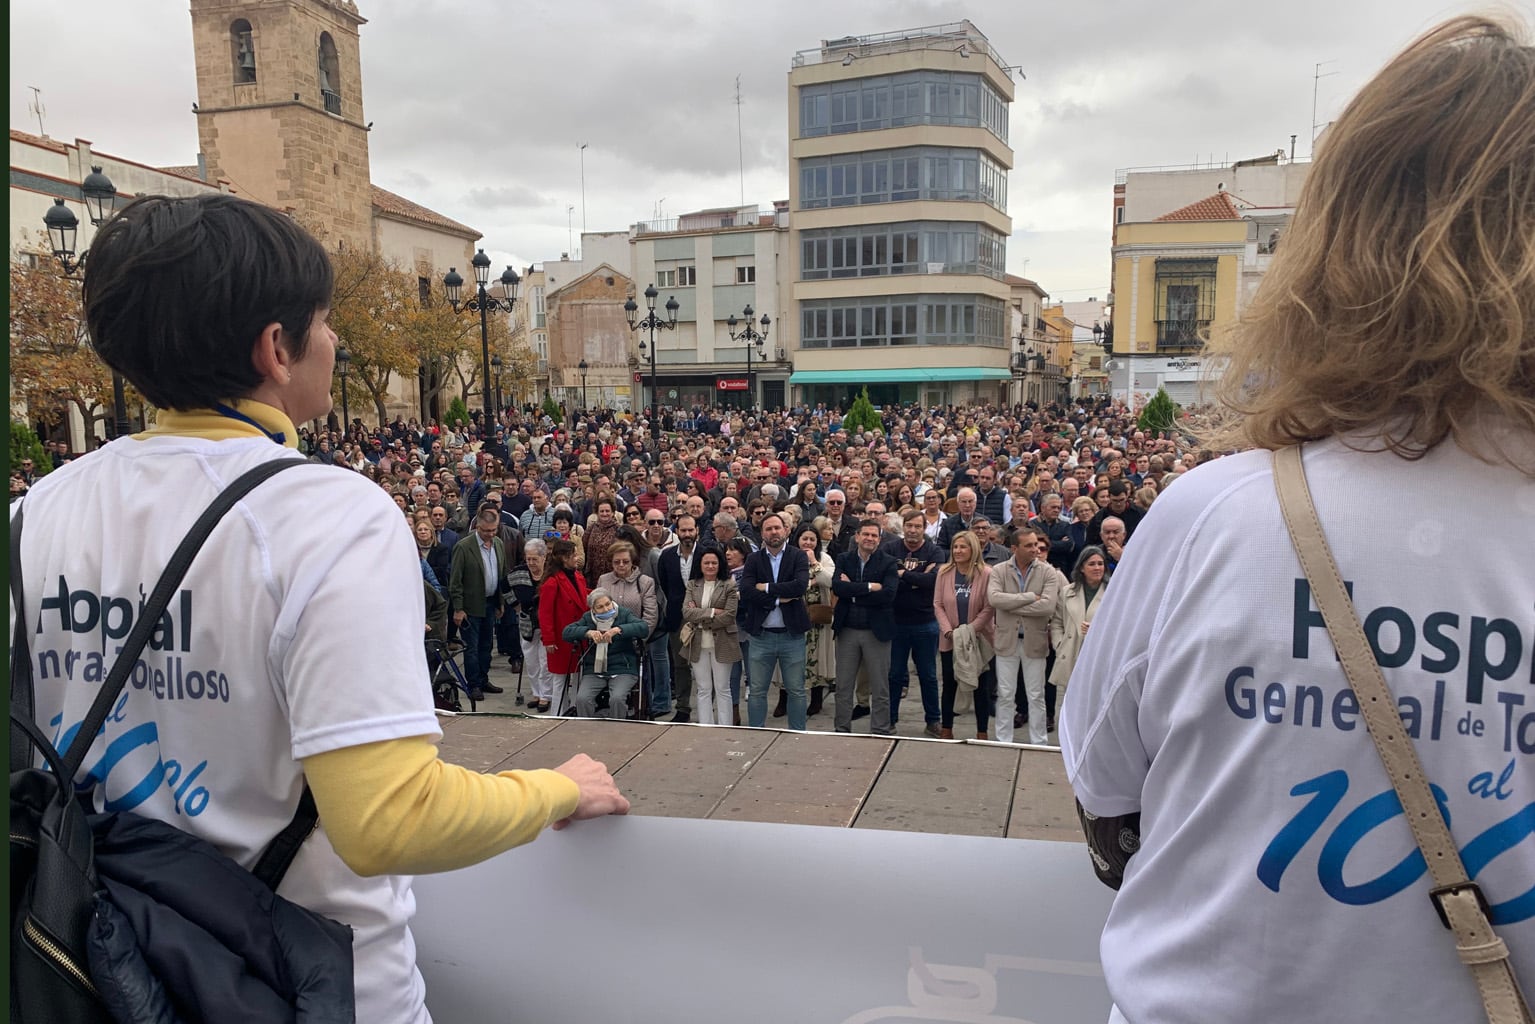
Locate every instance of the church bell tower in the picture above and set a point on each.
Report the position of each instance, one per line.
(279, 108)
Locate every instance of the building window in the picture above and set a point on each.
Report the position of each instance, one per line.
(687, 276)
(888, 176)
(892, 101)
(424, 290)
(329, 71)
(746, 275)
(666, 278)
(879, 250)
(894, 321)
(243, 44)
(1185, 290)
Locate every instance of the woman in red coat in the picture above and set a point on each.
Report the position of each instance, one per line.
(561, 601)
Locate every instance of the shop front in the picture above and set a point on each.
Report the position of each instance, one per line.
(925, 386)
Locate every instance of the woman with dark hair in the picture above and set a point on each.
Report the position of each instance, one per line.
(1074, 612)
(820, 645)
(1389, 349)
(561, 600)
(709, 610)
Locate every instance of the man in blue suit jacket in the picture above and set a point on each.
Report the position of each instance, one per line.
(864, 623)
(772, 611)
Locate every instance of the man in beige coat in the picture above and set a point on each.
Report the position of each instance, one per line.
(1024, 591)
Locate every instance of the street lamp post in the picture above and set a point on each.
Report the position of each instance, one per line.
(751, 339)
(652, 323)
(495, 364)
(483, 303)
(344, 360)
(62, 224)
(583, 368)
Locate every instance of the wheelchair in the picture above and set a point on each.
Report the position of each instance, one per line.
(449, 684)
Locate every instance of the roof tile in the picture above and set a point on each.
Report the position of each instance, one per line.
(387, 202)
(1220, 206)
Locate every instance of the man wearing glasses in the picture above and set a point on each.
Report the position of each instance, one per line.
(843, 526)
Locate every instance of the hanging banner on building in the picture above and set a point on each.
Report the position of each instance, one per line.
(668, 919)
(732, 384)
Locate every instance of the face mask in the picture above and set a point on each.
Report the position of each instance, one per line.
(606, 618)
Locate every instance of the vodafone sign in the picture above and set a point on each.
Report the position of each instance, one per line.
(731, 384)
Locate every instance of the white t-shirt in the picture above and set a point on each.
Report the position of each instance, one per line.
(298, 630)
(1277, 880)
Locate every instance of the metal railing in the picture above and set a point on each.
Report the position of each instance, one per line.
(693, 222)
(332, 101)
(928, 37)
(1180, 334)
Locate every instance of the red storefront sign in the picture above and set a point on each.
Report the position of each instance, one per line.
(732, 384)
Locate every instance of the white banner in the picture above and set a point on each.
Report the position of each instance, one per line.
(673, 920)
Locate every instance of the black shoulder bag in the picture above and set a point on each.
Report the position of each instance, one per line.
(119, 917)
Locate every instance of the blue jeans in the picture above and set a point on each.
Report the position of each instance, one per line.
(786, 651)
(920, 642)
(659, 651)
(478, 633)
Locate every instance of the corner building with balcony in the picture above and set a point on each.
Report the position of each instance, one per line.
(898, 164)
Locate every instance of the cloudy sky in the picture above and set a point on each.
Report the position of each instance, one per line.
(479, 110)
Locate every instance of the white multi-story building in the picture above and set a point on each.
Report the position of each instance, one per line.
(898, 164)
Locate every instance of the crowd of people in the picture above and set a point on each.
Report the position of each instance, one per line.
(742, 551)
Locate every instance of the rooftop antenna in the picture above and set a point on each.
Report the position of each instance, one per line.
(1317, 74)
(36, 109)
(570, 239)
(583, 188)
(740, 145)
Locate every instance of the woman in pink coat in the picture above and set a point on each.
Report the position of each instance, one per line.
(959, 598)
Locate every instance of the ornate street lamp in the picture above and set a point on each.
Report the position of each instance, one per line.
(482, 303)
(344, 360)
(495, 364)
(751, 339)
(652, 323)
(583, 368)
(63, 226)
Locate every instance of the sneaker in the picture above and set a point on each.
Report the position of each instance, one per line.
(859, 711)
(491, 688)
(934, 731)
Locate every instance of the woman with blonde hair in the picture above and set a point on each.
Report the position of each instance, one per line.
(1390, 347)
(959, 599)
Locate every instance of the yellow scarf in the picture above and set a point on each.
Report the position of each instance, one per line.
(215, 426)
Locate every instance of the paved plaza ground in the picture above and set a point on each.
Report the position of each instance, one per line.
(902, 783)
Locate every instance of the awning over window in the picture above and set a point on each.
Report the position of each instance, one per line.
(917, 375)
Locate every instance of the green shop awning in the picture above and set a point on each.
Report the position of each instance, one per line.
(918, 375)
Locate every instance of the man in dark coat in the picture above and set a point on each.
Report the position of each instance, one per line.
(916, 633)
(672, 571)
(479, 563)
(865, 584)
(1120, 508)
(772, 612)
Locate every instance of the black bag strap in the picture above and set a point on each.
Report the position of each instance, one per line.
(21, 655)
(159, 600)
(278, 856)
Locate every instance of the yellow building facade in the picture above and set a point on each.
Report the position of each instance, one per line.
(1176, 280)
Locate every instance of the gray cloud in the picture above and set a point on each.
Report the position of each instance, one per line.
(479, 117)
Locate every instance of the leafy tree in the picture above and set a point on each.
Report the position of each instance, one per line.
(369, 312)
(52, 364)
(25, 445)
(551, 408)
(862, 416)
(1159, 414)
(457, 413)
